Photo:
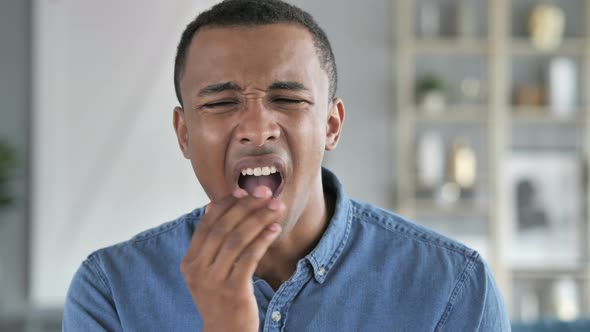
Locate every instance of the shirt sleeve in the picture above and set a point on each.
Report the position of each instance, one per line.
(89, 305)
(476, 303)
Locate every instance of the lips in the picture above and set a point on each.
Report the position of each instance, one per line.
(266, 170)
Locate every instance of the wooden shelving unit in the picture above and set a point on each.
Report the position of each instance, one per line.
(451, 46)
(455, 114)
(494, 117)
(568, 47)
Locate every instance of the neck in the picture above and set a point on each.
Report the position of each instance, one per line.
(280, 261)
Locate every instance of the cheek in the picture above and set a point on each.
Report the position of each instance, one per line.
(208, 142)
(208, 135)
(309, 137)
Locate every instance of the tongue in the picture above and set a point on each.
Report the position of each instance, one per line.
(249, 182)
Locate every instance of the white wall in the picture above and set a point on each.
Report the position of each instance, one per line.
(106, 163)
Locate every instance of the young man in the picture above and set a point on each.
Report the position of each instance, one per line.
(280, 246)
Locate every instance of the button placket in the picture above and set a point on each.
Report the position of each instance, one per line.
(281, 301)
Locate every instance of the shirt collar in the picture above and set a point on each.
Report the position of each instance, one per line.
(332, 243)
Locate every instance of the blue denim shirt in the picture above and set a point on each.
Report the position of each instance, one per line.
(371, 271)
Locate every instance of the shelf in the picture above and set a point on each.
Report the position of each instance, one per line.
(548, 273)
(569, 47)
(451, 46)
(542, 115)
(462, 208)
(33, 316)
(455, 114)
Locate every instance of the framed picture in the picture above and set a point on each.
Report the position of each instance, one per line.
(545, 208)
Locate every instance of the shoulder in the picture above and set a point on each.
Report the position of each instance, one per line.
(105, 287)
(167, 240)
(168, 228)
(469, 294)
(392, 225)
(387, 239)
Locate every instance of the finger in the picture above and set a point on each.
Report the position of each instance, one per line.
(244, 205)
(213, 212)
(242, 235)
(225, 224)
(245, 266)
(215, 209)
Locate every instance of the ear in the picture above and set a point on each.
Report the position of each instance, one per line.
(181, 131)
(334, 123)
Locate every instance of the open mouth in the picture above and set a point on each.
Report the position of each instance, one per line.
(268, 176)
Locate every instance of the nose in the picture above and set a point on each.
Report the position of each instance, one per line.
(257, 125)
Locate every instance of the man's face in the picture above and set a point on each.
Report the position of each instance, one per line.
(255, 100)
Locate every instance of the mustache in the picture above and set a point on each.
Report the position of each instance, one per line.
(256, 151)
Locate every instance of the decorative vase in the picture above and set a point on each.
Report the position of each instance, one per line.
(565, 298)
(562, 86)
(463, 164)
(546, 26)
(433, 102)
(430, 161)
(429, 19)
(466, 19)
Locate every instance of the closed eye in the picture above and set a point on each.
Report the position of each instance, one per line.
(220, 104)
(288, 100)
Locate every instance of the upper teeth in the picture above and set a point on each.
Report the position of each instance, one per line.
(258, 171)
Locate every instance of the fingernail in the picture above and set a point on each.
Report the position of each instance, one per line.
(274, 204)
(274, 227)
(262, 192)
(239, 193)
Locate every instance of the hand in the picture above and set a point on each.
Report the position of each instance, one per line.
(227, 245)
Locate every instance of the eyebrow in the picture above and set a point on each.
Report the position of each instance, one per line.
(218, 87)
(288, 85)
(231, 86)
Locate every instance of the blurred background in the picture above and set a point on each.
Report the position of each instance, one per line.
(469, 116)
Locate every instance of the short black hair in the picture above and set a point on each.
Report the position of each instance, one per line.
(252, 13)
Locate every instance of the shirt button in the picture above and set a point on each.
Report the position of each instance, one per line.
(321, 271)
(276, 316)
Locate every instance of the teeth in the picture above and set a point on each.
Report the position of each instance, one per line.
(258, 171)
